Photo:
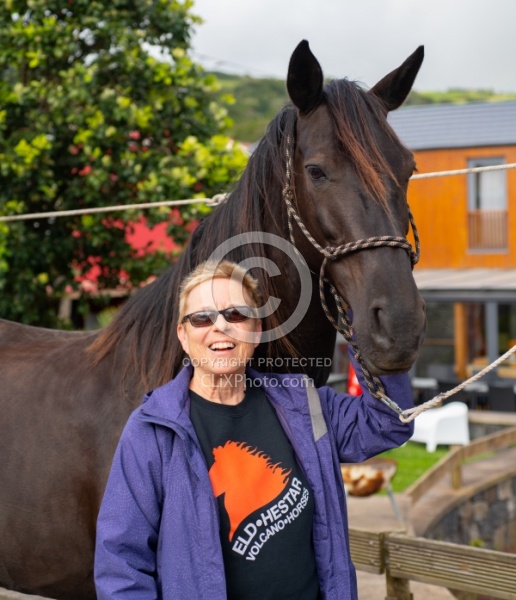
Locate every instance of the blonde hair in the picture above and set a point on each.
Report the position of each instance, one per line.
(224, 269)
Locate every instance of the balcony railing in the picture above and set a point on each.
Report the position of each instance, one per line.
(487, 229)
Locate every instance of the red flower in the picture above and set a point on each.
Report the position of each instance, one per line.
(135, 135)
(85, 171)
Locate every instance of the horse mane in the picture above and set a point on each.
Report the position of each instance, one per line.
(358, 115)
(147, 322)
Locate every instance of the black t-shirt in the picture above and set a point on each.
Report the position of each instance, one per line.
(265, 503)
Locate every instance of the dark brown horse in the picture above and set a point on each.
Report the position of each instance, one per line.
(65, 397)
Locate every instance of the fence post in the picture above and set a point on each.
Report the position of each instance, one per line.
(456, 468)
(456, 477)
(397, 588)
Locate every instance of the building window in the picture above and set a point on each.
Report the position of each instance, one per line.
(487, 206)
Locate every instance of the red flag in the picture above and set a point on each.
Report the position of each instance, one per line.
(353, 386)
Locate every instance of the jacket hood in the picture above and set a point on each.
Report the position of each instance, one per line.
(170, 400)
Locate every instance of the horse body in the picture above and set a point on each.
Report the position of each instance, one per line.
(59, 426)
(65, 396)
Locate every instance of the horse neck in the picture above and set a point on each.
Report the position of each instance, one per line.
(145, 329)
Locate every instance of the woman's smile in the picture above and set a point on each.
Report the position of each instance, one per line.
(219, 348)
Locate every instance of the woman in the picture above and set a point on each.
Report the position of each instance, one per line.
(226, 482)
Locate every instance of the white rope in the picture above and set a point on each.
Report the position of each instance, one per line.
(411, 413)
(464, 171)
(217, 199)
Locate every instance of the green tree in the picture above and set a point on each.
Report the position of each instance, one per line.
(457, 96)
(256, 102)
(100, 104)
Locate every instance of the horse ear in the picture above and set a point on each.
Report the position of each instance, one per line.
(395, 87)
(304, 79)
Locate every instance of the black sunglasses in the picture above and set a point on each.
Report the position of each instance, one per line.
(204, 318)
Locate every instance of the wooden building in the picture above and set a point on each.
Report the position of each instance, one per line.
(467, 226)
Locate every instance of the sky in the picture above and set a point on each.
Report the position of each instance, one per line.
(468, 43)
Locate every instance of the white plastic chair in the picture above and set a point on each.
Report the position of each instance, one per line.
(444, 425)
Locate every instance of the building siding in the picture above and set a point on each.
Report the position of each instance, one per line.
(440, 208)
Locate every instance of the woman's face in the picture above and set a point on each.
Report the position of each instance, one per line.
(220, 348)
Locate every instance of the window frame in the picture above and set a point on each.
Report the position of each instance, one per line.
(483, 223)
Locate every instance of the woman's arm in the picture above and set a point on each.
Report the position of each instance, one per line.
(363, 425)
(128, 522)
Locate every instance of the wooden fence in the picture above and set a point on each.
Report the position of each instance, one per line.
(453, 461)
(454, 566)
(403, 558)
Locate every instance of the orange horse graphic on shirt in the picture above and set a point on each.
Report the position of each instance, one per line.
(248, 479)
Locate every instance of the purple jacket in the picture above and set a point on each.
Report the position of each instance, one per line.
(158, 527)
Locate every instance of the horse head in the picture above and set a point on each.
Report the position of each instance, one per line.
(350, 175)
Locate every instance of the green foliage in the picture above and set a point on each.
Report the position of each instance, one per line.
(104, 317)
(456, 96)
(413, 461)
(100, 104)
(256, 102)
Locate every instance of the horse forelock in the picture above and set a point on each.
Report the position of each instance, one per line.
(359, 118)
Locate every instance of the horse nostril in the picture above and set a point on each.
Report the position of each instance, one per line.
(380, 329)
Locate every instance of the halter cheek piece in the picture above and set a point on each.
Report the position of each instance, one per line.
(329, 253)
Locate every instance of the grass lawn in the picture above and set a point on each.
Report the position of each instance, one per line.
(413, 461)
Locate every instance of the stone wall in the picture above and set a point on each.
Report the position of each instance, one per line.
(485, 422)
(486, 519)
(478, 430)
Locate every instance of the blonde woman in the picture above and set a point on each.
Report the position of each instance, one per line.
(226, 482)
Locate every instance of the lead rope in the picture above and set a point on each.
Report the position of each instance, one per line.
(373, 382)
(437, 400)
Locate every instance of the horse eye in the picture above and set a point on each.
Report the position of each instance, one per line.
(315, 173)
